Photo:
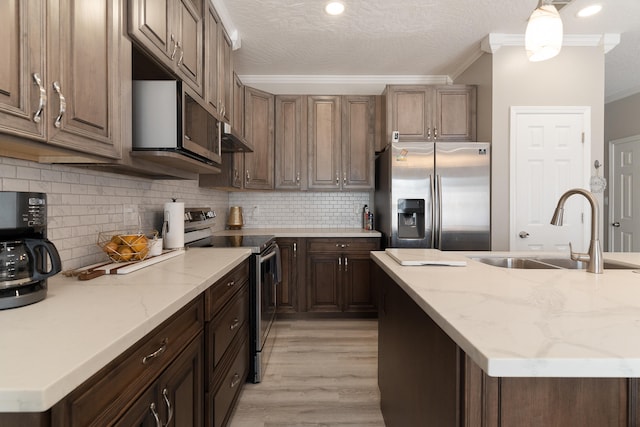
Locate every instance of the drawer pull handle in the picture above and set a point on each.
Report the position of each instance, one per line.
(234, 324)
(158, 352)
(165, 395)
(231, 284)
(235, 381)
(152, 408)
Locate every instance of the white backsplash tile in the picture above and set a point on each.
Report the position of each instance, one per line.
(83, 202)
(301, 209)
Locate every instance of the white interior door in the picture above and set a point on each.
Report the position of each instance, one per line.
(550, 151)
(624, 205)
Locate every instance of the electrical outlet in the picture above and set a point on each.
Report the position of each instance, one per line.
(130, 215)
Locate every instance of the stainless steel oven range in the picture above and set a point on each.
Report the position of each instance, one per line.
(265, 277)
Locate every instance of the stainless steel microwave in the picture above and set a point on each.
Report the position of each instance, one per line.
(167, 116)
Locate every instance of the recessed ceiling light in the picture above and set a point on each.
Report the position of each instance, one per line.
(334, 8)
(589, 10)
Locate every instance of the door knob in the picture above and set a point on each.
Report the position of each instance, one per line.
(616, 224)
(523, 234)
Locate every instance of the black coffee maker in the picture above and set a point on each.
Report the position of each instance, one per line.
(27, 257)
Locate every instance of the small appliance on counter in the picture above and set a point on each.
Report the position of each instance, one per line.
(235, 220)
(25, 251)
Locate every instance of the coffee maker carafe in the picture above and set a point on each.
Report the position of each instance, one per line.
(27, 257)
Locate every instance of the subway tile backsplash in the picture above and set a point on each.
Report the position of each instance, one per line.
(301, 209)
(83, 202)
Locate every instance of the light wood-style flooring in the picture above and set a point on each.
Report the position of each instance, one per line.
(322, 373)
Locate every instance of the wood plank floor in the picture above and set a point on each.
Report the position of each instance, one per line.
(322, 373)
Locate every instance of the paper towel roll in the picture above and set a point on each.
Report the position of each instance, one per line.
(174, 216)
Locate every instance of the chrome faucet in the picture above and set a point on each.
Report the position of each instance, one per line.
(594, 256)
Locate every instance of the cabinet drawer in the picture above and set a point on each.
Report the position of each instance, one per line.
(222, 401)
(109, 392)
(225, 327)
(222, 291)
(342, 245)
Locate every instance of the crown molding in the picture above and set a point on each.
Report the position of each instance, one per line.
(227, 22)
(345, 79)
(494, 41)
(336, 84)
(621, 95)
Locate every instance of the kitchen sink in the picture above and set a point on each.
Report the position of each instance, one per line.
(549, 263)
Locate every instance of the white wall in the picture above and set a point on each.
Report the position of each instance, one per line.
(574, 78)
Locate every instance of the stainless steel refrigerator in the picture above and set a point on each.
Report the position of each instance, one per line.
(434, 195)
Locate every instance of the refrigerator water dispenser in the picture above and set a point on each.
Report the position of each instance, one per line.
(411, 218)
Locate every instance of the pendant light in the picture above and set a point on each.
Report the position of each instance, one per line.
(543, 38)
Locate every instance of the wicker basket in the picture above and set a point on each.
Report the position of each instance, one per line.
(125, 247)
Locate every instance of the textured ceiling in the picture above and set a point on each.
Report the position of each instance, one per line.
(410, 37)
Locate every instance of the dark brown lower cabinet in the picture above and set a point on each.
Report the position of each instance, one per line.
(227, 345)
(187, 372)
(176, 398)
(425, 379)
(338, 276)
(287, 292)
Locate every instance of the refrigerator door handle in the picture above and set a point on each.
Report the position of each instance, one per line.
(439, 212)
(432, 202)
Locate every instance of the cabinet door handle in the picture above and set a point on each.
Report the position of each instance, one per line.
(295, 250)
(337, 178)
(298, 179)
(248, 176)
(37, 116)
(152, 408)
(339, 263)
(63, 105)
(344, 178)
(435, 133)
(234, 381)
(616, 224)
(346, 264)
(158, 352)
(175, 47)
(234, 324)
(165, 395)
(181, 54)
(231, 284)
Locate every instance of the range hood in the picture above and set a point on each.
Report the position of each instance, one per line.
(232, 142)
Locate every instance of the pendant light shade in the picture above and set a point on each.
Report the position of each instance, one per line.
(543, 38)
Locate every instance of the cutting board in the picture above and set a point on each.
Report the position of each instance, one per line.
(97, 270)
(425, 257)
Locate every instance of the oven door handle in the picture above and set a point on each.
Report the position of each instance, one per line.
(267, 256)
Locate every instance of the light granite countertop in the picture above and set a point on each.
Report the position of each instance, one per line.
(49, 348)
(531, 323)
(302, 232)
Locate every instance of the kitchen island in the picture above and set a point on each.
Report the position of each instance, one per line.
(485, 345)
(51, 347)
